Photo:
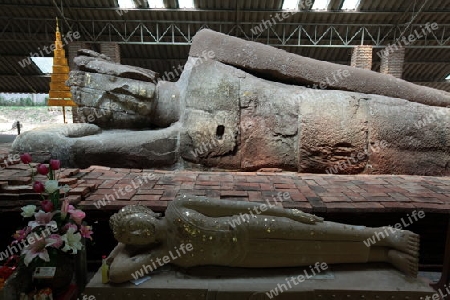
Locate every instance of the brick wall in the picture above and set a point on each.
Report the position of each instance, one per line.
(73, 48)
(392, 63)
(362, 57)
(112, 50)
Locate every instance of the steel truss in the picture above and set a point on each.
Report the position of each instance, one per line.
(181, 33)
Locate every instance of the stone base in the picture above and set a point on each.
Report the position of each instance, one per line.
(374, 281)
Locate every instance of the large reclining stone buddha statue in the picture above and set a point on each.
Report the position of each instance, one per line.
(244, 105)
(197, 231)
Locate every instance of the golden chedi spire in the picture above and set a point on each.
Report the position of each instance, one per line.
(59, 94)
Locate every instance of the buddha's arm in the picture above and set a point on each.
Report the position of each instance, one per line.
(224, 208)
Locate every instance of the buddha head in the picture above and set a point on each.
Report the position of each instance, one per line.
(134, 225)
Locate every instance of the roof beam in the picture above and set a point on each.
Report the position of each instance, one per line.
(231, 10)
(20, 77)
(279, 35)
(27, 76)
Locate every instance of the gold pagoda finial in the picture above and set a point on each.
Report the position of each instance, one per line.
(60, 94)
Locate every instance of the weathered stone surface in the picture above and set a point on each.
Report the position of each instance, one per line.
(114, 84)
(111, 110)
(269, 124)
(166, 109)
(333, 128)
(418, 137)
(129, 149)
(85, 144)
(92, 53)
(280, 65)
(112, 102)
(103, 66)
(53, 141)
(211, 122)
(220, 116)
(310, 130)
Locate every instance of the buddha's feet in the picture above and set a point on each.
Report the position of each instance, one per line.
(402, 240)
(405, 241)
(406, 263)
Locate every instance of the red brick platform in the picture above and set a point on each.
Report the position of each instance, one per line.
(91, 189)
(309, 192)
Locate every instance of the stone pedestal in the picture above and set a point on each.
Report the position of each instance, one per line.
(374, 281)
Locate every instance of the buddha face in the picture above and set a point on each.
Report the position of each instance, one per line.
(136, 229)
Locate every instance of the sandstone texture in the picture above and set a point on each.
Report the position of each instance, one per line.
(211, 117)
(53, 141)
(94, 62)
(114, 96)
(128, 149)
(309, 130)
(279, 65)
(83, 145)
(248, 109)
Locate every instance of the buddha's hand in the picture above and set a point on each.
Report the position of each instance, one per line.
(303, 217)
(116, 251)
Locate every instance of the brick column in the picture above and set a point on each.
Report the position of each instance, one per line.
(112, 50)
(362, 57)
(392, 62)
(72, 53)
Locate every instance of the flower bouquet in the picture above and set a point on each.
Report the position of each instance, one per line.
(56, 229)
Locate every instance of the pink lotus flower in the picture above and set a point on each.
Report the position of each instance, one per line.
(77, 215)
(47, 206)
(38, 187)
(86, 232)
(43, 169)
(25, 158)
(55, 164)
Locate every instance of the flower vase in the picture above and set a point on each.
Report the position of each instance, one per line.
(65, 267)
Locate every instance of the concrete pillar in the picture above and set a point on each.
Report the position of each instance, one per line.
(392, 62)
(72, 53)
(112, 50)
(362, 57)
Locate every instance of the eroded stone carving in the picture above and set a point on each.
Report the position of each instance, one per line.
(225, 113)
(274, 237)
